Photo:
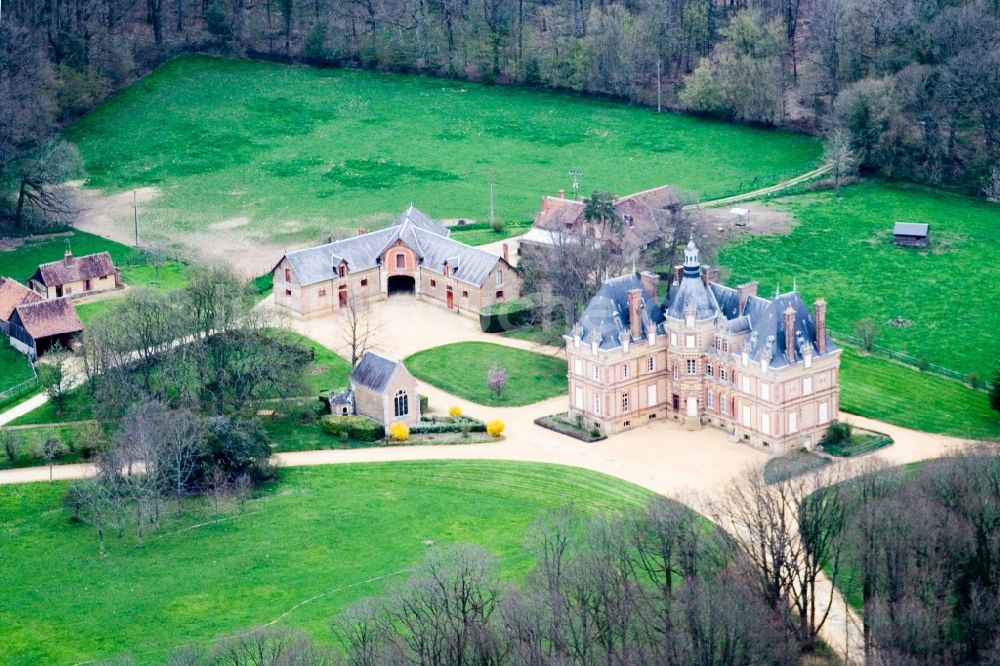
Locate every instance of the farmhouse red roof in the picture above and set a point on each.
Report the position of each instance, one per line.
(12, 294)
(46, 318)
(74, 269)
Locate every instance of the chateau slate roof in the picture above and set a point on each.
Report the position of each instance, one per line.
(12, 294)
(416, 230)
(374, 371)
(607, 315)
(75, 269)
(46, 318)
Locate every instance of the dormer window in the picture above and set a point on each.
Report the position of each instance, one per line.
(342, 270)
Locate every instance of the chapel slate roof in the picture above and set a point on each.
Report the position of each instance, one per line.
(12, 294)
(75, 269)
(56, 316)
(607, 316)
(413, 228)
(374, 371)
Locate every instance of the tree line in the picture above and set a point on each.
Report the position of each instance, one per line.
(915, 84)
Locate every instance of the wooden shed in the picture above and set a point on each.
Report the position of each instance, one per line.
(911, 234)
(35, 327)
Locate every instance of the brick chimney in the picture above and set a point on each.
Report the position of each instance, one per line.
(635, 313)
(820, 306)
(68, 258)
(678, 274)
(790, 334)
(506, 253)
(709, 274)
(650, 282)
(562, 194)
(746, 290)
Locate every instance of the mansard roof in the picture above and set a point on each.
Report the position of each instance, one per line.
(607, 315)
(428, 239)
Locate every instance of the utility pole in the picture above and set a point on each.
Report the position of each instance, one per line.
(135, 213)
(659, 87)
(576, 173)
(491, 196)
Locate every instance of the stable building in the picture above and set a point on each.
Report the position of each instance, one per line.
(412, 255)
(34, 328)
(13, 294)
(764, 370)
(74, 276)
(911, 234)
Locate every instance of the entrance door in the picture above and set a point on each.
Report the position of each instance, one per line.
(677, 402)
(342, 295)
(86, 285)
(692, 406)
(451, 298)
(59, 291)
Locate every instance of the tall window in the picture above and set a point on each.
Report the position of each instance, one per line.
(624, 402)
(288, 275)
(341, 270)
(597, 405)
(677, 373)
(723, 374)
(597, 373)
(400, 260)
(723, 404)
(651, 364)
(807, 385)
(578, 365)
(401, 404)
(499, 278)
(692, 366)
(708, 368)
(625, 371)
(710, 400)
(765, 391)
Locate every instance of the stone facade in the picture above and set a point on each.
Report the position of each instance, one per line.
(766, 371)
(411, 255)
(381, 389)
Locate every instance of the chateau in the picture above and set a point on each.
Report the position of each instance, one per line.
(412, 255)
(764, 370)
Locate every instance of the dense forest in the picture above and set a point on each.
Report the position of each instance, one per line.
(914, 83)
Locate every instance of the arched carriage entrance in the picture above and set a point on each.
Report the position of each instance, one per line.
(402, 284)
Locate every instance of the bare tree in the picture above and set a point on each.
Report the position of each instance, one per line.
(52, 450)
(358, 327)
(838, 151)
(42, 195)
(991, 188)
(496, 378)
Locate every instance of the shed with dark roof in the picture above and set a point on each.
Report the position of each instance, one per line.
(37, 327)
(911, 234)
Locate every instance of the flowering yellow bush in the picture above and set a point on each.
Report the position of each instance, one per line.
(400, 432)
(455, 411)
(495, 427)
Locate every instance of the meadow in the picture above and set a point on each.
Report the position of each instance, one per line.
(843, 251)
(461, 369)
(300, 151)
(331, 535)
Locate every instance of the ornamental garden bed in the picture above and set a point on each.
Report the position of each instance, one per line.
(845, 441)
(565, 425)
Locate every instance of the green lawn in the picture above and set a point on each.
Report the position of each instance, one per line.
(888, 391)
(843, 251)
(338, 531)
(299, 150)
(14, 366)
(29, 443)
(480, 233)
(461, 369)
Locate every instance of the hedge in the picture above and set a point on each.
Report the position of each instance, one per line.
(507, 315)
(360, 428)
(456, 424)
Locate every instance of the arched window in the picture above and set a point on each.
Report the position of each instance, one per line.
(401, 404)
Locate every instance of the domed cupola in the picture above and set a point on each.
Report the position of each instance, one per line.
(692, 268)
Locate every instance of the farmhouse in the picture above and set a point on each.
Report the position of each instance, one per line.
(381, 389)
(764, 370)
(645, 218)
(76, 275)
(35, 327)
(12, 294)
(911, 234)
(412, 255)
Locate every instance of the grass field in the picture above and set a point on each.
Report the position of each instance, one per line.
(338, 531)
(299, 150)
(843, 251)
(14, 366)
(888, 391)
(461, 369)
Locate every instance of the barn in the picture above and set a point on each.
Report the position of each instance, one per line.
(35, 327)
(12, 294)
(911, 234)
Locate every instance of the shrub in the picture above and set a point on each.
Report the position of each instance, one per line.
(463, 424)
(497, 225)
(838, 433)
(866, 330)
(235, 447)
(399, 432)
(454, 410)
(360, 428)
(496, 378)
(495, 427)
(506, 315)
(424, 402)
